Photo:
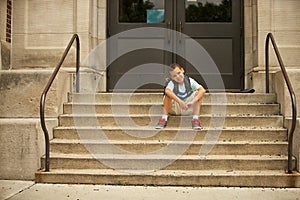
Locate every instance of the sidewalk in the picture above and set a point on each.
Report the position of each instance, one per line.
(28, 190)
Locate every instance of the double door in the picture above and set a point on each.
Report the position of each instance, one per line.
(146, 36)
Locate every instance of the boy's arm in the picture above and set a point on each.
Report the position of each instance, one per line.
(173, 96)
(200, 92)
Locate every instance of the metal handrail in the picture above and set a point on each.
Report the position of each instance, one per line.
(43, 97)
(292, 94)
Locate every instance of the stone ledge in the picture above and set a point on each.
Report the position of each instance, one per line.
(296, 141)
(283, 95)
(20, 92)
(22, 145)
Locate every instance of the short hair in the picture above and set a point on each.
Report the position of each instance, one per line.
(173, 66)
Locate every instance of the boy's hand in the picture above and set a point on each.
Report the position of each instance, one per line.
(183, 105)
(189, 104)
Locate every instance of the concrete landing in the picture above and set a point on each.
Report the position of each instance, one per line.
(28, 190)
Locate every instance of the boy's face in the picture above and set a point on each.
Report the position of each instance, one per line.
(177, 75)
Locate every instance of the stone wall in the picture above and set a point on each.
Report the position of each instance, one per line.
(22, 146)
(250, 37)
(21, 136)
(284, 98)
(42, 30)
(282, 19)
(20, 92)
(296, 140)
(3, 19)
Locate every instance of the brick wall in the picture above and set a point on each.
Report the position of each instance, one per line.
(8, 21)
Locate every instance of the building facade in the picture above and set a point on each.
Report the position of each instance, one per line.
(35, 33)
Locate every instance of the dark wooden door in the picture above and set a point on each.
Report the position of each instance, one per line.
(137, 55)
(137, 44)
(217, 26)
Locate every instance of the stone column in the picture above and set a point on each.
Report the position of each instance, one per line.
(250, 34)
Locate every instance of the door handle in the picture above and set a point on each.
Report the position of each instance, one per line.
(180, 30)
(169, 31)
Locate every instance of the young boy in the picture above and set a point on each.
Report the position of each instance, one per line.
(181, 95)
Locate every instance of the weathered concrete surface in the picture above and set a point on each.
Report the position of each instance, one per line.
(21, 147)
(284, 99)
(39, 39)
(91, 81)
(20, 92)
(13, 190)
(21, 136)
(5, 55)
(296, 141)
(282, 91)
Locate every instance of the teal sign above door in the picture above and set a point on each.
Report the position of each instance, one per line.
(156, 16)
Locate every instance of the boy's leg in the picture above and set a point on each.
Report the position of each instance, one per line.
(167, 105)
(196, 111)
(197, 106)
(162, 122)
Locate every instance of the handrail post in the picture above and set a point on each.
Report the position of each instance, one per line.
(44, 94)
(77, 63)
(292, 94)
(291, 135)
(267, 63)
(46, 134)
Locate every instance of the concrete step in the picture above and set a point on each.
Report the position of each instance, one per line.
(130, 133)
(148, 108)
(232, 178)
(147, 121)
(166, 162)
(168, 147)
(110, 138)
(157, 98)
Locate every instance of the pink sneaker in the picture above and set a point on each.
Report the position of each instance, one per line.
(196, 124)
(161, 124)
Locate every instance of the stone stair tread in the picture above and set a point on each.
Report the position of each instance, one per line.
(160, 94)
(157, 97)
(146, 120)
(172, 116)
(144, 142)
(180, 173)
(146, 108)
(169, 133)
(113, 104)
(163, 156)
(169, 128)
(236, 178)
(161, 104)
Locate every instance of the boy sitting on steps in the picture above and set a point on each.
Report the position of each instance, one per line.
(181, 95)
